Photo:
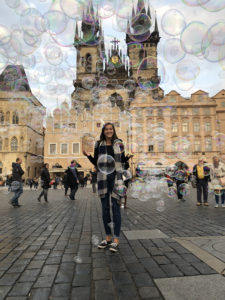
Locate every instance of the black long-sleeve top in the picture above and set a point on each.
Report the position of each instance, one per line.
(109, 151)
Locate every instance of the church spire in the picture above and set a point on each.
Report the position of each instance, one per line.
(133, 12)
(76, 33)
(141, 7)
(156, 24)
(149, 11)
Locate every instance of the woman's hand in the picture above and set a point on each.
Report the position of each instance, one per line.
(86, 153)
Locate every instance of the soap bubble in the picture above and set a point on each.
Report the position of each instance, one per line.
(5, 35)
(72, 8)
(121, 190)
(32, 22)
(173, 22)
(55, 22)
(212, 5)
(173, 51)
(95, 240)
(77, 259)
(12, 3)
(160, 205)
(172, 192)
(187, 70)
(106, 164)
(192, 37)
(53, 54)
(15, 185)
(184, 189)
(180, 175)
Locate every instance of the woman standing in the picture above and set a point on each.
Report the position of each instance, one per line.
(108, 147)
(217, 176)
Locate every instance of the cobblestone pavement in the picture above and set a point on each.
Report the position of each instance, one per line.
(48, 250)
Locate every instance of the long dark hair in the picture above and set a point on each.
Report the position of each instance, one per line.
(102, 135)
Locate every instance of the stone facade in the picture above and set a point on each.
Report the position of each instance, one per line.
(21, 123)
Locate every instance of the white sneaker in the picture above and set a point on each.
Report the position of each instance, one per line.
(223, 205)
(216, 205)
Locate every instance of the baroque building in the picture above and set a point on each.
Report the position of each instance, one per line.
(21, 123)
(125, 89)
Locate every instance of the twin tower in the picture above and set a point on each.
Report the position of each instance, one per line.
(98, 69)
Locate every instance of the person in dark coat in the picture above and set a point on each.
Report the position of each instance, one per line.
(64, 181)
(45, 182)
(72, 179)
(17, 183)
(94, 180)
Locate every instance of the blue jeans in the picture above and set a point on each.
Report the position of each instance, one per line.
(17, 194)
(217, 197)
(115, 209)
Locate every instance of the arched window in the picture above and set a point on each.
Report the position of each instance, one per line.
(15, 119)
(0, 144)
(14, 144)
(1, 117)
(7, 117)
(88, 63)
(142, 55)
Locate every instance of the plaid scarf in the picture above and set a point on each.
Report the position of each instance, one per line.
(102, 178)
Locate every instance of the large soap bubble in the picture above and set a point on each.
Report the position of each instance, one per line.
(173, 22)
(106, 164)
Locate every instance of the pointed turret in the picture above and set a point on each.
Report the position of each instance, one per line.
(156, 24)
(76, 32)
(141, 7)
(149, 11)
(133, 12)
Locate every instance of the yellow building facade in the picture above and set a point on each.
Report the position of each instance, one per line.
(21, 124)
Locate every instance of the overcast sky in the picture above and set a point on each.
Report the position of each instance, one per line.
(191, 51)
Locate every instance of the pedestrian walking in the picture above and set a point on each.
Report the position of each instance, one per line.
(108, 154)
(217, 176)
(35, 182)
(181, 178)
(9, 182)
(64, 181)
(126, 167)
(17, 184)
(93, 179)
(72, 179)
(201, 176)
(45, 182)
(31, 183)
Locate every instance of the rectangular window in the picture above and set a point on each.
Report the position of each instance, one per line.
(208, 144)
(173, 111)
(76, 148)
(150, 148)
(56, 125)
(184, 111)
(196, 127)
(161, 146)
(207, 126)
(117, 124)
(206, 111)
(98, 125)
(160, 112)
(160, 125)
(72, 125)
(52, 149)
(174, 127)
(197, 146)
(196, 111)
(185, 127)
(64, 148)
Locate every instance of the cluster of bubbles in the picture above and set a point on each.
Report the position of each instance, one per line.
(189, 43)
